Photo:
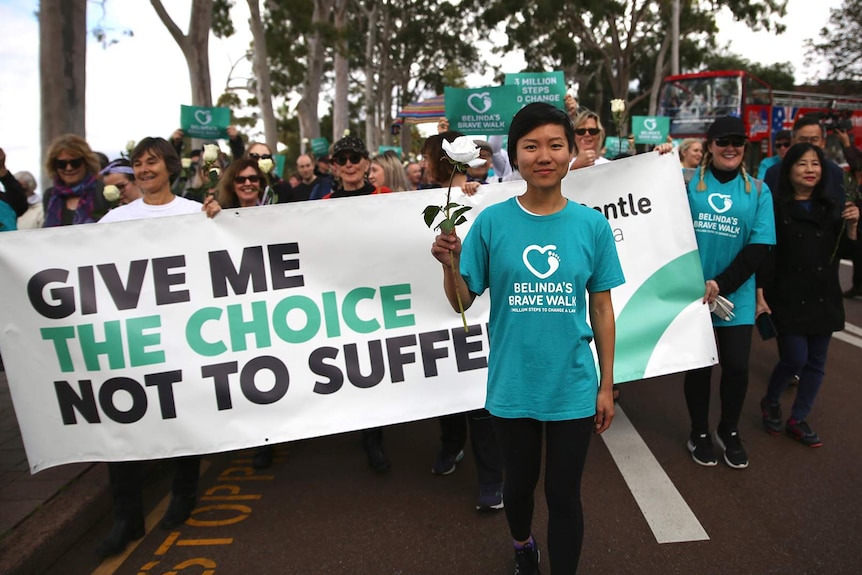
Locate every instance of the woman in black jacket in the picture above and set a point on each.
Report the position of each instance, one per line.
(801, 287)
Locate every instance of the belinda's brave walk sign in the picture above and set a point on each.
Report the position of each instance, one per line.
(206, 123)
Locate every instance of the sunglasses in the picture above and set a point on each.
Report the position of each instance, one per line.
(260, 156)
(782, 144)
(244, 179)
(735, 141)
(590, 131)
(354, 157)
(61, 164)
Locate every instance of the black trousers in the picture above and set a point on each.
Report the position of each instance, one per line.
(734, 351)
(566, 444)
(483, 442)
(126, 479)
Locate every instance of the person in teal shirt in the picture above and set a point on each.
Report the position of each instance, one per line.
(734, 227)
(546, 262)
(782, 143)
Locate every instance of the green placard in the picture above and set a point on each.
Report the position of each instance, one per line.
(481, 111)
(320, 147)
(547, 87)
(396, 149)
(206, 123)
(650, 129)
(615, 147)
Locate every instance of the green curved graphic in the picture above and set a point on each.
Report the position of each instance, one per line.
(651, 310)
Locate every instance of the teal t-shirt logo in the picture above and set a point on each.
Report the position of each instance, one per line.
(553, 260)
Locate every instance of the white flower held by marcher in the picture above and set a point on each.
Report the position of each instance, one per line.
(463, 153)
(210, 154)
(265, 165)
(618, 106)
(111, 193)
(186, 163)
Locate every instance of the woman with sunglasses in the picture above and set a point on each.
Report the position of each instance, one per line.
(802, 292)
(241, 185)
(351, 156)
(589, 139)
(734, 227)
(76, 194)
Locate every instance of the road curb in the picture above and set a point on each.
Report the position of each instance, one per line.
(42, 538)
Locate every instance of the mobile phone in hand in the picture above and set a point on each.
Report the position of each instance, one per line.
(765, 327)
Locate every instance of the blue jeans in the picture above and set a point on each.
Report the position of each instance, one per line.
(805, 356)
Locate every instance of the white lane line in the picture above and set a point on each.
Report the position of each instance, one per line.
(854, 329)
(666, 512)
(845, 337)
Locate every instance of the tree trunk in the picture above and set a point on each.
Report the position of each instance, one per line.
(341, 63)
(660, 68)
(62, 68)
(263, 88)
(306, 109)
(195, 46)
(371, 76)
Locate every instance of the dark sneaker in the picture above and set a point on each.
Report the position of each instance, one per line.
(490, 497)
(527, 560)
(446, 462)
(800, 431)
(734, 454)
(700, 446)
(262, 458)
(771, 413)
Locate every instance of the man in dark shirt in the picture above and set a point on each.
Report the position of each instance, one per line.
(310, 182)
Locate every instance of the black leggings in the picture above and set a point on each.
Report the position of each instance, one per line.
(734, 350)
(565, 453)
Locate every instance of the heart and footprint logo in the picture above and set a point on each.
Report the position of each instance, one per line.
(552, 259)
(480, 102)
(203, 117)
(720, 203)
(650, 124)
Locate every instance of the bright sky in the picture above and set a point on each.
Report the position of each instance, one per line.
(135, 87)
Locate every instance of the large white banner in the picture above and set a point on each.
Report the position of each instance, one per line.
(183, 335)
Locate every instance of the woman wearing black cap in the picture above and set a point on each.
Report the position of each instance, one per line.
(734, 227)
(351, 156)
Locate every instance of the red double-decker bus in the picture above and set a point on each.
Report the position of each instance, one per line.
(693, 101)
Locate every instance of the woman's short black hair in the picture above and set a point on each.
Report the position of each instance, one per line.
(160, 148)
(796, 151)
(531, 117)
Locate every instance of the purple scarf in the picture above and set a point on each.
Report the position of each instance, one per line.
(61, 192)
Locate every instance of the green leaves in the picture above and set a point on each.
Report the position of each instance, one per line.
(450, 220)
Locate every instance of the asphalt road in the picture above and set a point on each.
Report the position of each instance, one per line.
(320, 510)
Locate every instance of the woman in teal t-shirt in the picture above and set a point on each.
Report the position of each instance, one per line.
(546, 261)
(734, 227)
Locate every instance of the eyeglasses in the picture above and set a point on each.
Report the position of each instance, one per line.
(735, 141)
(353, 157)
(806, 140)
(780, 145)
(61, 164)
(590, 131)
(260, 156)
(244, 179)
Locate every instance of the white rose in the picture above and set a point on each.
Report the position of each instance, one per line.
(130, 145)
(618, 106)
(463, 151)
(111, 193)
(265, 165)
(186, 162)
(210, 153)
